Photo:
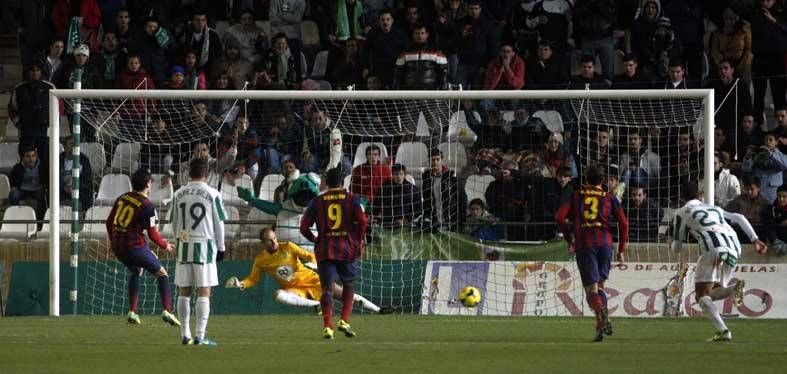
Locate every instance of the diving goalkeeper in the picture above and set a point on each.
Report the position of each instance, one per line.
(299, 285)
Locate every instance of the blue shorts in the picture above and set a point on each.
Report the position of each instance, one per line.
(594, 264)
(331, 270)
(137, 258)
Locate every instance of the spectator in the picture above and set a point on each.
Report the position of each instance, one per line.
(134, 77)
(346, 21)
(444, 200)
(204, 41)
(643, 215)
(216, 167)
(632, 78)
(734, 99)
(156, 151)
(398, 201)
(286, 17)
(553, 19)
(613, 183)
(768, 44)
(555, 155)
(345, 69)
(603, 153)
(90, 77)
(639, 158)
(688, 19)
(194, 77)
(677, 73)
(247, 38)
(768, 165)
(522, 28)
(177, 78)
(286, 67)
(322, 146)
(727, 186)
(751, 203)
(446, 33)
(776, 223)
(162, 10)
(732, 42)
(781, 128)
(384, 44)
(367, 178)
(155, 49)
(588, 78)
(479, 223)
(566, 183)
(29, 109)
(546, 71)
(66, 173)
(63, 14)
(54, 63)
(238, 68)
(35, 31)
(226, 110)
(412, 17)
(643, 34)
(109, 61)
(291, 173)
(594, 24)
(427, 71)
(476, 45)
(721, 142)
(29, 180)
(122, 30)
(750, 135)
(528, 133)
(506, 72)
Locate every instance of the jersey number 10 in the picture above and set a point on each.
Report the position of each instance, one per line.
(123, 215)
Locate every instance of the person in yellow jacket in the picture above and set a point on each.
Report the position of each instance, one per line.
(293, 268)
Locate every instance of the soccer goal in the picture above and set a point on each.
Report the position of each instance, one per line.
(423, 161)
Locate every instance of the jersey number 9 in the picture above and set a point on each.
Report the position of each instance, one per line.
(335, 215)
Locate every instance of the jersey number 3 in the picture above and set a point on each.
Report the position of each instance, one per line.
(590, 213)
(335, 215)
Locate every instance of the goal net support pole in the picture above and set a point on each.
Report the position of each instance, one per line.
(75, 95)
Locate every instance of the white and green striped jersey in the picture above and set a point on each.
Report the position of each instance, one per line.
(198, 217)
(708, 225)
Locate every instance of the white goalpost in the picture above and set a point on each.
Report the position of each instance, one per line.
(357, 113)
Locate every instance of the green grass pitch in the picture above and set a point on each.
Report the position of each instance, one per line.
(395, 344)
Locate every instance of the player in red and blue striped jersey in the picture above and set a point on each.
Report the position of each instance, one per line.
(590, 210)
(131, 215)
(341, 227)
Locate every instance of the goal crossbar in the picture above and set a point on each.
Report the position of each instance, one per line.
(706, 95)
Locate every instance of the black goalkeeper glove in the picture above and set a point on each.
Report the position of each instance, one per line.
(220, 256)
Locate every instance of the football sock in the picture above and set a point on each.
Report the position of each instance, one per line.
(720, 293)
(133, 291)
(164, 292)
(595, 302)
(284, 297)
(366, 304)
(712, 312)
(348, 295)
(603, 296)
(184, 311)
(202, 307)
(326, 303)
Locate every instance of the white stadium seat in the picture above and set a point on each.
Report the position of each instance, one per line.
(65, 228)
(413, 155)
(18, 230)
(268, 186)
(454, 155)
(161, 194)
(476, 185)
(112, 186)
(96, 230)
(126, 157)
(9, 156)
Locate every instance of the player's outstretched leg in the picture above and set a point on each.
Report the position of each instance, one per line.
(133, 297)
(365, 303)
(289, 298)
(721, 293)
(712, 312)
(184, 312)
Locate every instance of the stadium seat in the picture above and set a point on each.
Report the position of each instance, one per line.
(126, 158)
(97, 230)
(229, 194)
(320, 65)
(18, 230)
(551, 119)
(9, 156)
(11, 132)
(251, 231)
(476, 185)
(65, 228)
(360, 153)
(165, 229)
(310, 33)
(413, 155)
(231, 229)
(268, 186)
(95, 153)
(5, 189)
(161, 195)
(454, 155)
(112, 186)
(347, 180)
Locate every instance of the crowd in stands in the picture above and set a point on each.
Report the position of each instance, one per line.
(735, 47)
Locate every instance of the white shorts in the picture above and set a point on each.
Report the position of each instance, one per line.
(196, 275)
(710, 268)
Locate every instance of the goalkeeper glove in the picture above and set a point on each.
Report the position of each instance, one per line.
(245, 194)
(233, 282)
